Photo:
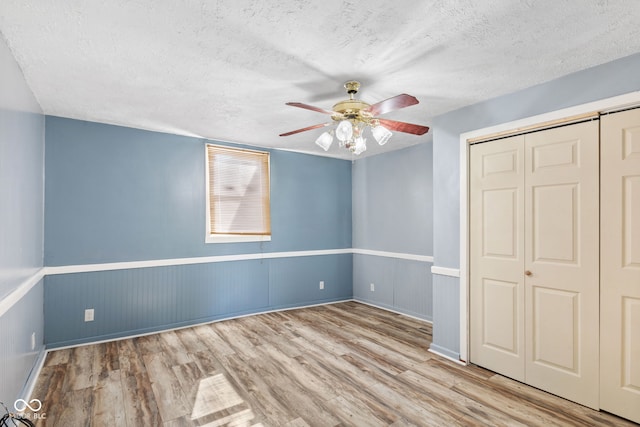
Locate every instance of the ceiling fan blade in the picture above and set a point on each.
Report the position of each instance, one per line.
(403, 127)
(393, 103)
(310, 107)
(306, 129)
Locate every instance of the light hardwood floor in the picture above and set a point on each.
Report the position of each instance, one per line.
(341, 364)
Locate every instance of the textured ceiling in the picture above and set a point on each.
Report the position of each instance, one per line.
(224, 69)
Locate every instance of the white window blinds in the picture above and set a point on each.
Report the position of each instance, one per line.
(238, 182)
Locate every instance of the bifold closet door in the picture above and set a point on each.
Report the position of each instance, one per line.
(497, 256)
(562, 261)
(620, 268)
(534, 259)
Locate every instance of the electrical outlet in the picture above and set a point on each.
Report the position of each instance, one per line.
(373, 287)
(88, 315)
(33, 341)
(322, 284)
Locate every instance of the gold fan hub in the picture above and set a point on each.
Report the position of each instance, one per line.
(351, 109)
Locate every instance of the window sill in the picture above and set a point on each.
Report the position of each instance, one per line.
(235, 238)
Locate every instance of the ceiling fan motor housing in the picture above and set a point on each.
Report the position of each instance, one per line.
(351, 109)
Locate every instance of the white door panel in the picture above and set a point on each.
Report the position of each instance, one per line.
(497, 259)
(620, 257)
(562, 255)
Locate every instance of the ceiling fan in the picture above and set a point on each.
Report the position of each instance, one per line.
(353, 116)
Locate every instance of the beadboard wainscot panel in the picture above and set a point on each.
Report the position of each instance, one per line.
(446, 337)
(296, 280)
(143, 300)
(412, 290)
(378, 271)
(136, 301)
(401, 285)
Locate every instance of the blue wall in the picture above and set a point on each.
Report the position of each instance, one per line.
(604, 81)
(393, 212)
(392, 201)
(116, 194)
(21, 235)
(122, 194)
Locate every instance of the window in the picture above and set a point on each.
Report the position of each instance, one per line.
(237, 195)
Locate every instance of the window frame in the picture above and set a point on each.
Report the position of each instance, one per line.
(233, 237)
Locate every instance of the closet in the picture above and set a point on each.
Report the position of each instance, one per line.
(554, 260)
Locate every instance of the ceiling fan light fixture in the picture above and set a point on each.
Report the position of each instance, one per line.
(344, 131)
(325, 140)
(360, 145)
(381, 134)
(351, 117)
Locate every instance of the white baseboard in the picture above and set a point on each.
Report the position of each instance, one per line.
(30, 384)
(459, 362)
(381, 307)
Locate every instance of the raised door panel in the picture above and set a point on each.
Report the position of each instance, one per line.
(631, 221)
(500, 316)
(630, 348)
(561, 254)
(555, 214)
(499, 233)
(556, 329)
(496, 256)
(620, 264)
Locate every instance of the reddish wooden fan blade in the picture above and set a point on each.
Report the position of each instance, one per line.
(403, 127)
(309, 107)
(306, 129)
(394, 103)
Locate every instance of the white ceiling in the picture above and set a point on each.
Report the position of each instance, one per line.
(224, 69)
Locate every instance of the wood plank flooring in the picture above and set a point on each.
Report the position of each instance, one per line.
(334, 365)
